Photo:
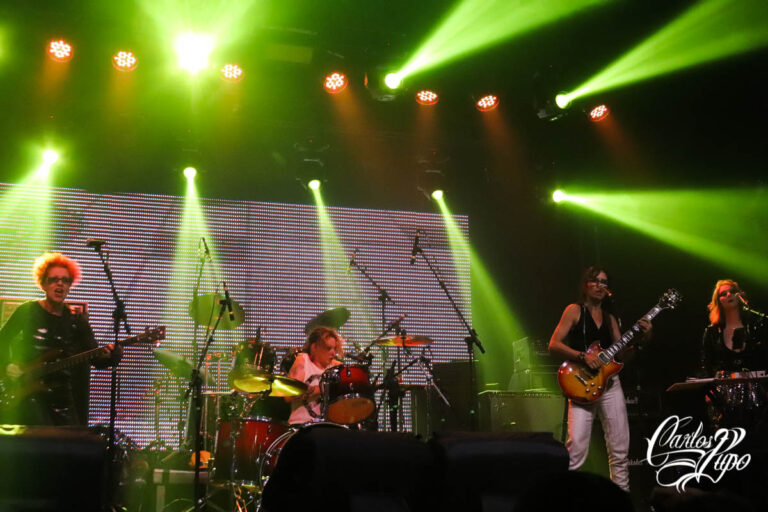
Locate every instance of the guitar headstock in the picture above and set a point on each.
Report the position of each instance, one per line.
(670, 299)
(148, 336)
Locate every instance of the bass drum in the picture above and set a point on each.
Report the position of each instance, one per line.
(269, 460)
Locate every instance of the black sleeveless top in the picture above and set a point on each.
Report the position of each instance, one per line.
(585, 332)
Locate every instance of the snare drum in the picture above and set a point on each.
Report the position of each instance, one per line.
(347, 394)
(252, 437)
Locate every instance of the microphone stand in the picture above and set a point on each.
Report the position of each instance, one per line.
(471, 339)
(119, 317)
(195, 387)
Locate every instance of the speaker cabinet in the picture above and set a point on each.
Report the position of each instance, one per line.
(503, 411)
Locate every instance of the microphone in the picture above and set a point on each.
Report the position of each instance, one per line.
(351, 261)
(415, 249)
(207, 252)
(95, 242)
(396, 322)
(228, 301)
(742, 299)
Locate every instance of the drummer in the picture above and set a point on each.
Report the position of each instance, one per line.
(322, 350)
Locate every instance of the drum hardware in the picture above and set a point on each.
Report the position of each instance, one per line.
(157, 385)
(347, 395)
(179, 365)
(404, 341)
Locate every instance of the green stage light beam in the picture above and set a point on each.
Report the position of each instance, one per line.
(724, 226)
(494, 320)
(473, 25)
(340, 290)
(708, 31)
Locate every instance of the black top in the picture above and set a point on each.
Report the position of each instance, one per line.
(33, 334)
(715, 356)
(585, 331)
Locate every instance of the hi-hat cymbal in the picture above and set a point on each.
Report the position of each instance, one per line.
(179, 366)
(205, 308)
(250, 379)
(334, 318)
(407, 341)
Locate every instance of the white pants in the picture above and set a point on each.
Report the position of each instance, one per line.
(612, 411)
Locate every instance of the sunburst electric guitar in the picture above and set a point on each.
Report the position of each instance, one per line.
(584, 385)
(14, 389)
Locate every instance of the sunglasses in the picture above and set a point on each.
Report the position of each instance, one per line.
(599, 281)
(53, 279)
(732, 291)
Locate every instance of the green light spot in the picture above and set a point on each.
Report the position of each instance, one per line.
(314, 184)
(393, 80)
(193, 51)
(50, 157)
(437, 195)
(558, 196)
(190, 173)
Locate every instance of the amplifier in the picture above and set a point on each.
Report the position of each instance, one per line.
(505, 411)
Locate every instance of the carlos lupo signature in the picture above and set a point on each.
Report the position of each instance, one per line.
(681, 457)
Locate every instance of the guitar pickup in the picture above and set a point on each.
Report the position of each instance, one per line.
(581, 379)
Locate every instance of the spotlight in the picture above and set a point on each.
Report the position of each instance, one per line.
(193, 51)
(487, 103)
(50, 157)
(599, 113)
(426, 97)
(558, 196)
(563, 100)
(314, 184)
(437, 195)
(393, 80)
(60, 51)
(190, 173)
(232, 73)
(124, 61)
(335, 83)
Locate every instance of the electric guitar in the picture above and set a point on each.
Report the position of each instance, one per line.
(584, 385)
(14, 389)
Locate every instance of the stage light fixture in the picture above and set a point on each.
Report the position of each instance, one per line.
(437, 195)
(50, 157)
(487, 103)
(558, 196)
(193, 51)
(563, 100)
(124, 61)
(599, 113)
(314, 184)
(426, 97)
(190, 173)
(60, 50)
(393, 80)
(231, 73)
(335, 83)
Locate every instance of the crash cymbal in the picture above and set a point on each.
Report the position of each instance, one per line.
(179, 366)
(334, 318)
(205, 308)
(408, 341)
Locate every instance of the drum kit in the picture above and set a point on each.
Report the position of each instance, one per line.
(244, 429)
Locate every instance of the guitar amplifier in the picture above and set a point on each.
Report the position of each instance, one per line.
(504, 411)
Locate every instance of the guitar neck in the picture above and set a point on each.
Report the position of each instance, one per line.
(71, 361)
(630, 333)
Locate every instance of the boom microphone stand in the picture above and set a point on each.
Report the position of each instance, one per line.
(119, 317)
(471, 339)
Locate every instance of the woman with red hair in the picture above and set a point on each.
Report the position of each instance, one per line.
(735, 345)
(48, 330)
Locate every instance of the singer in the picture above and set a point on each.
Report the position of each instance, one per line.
(323, 349)
(588, 320)
(38, 329)
(735, 341)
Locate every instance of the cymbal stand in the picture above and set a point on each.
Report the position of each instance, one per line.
(158, 444)
(204, 255)
(471, 339)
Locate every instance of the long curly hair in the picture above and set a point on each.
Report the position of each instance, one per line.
(320, 333)
(43, 264)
